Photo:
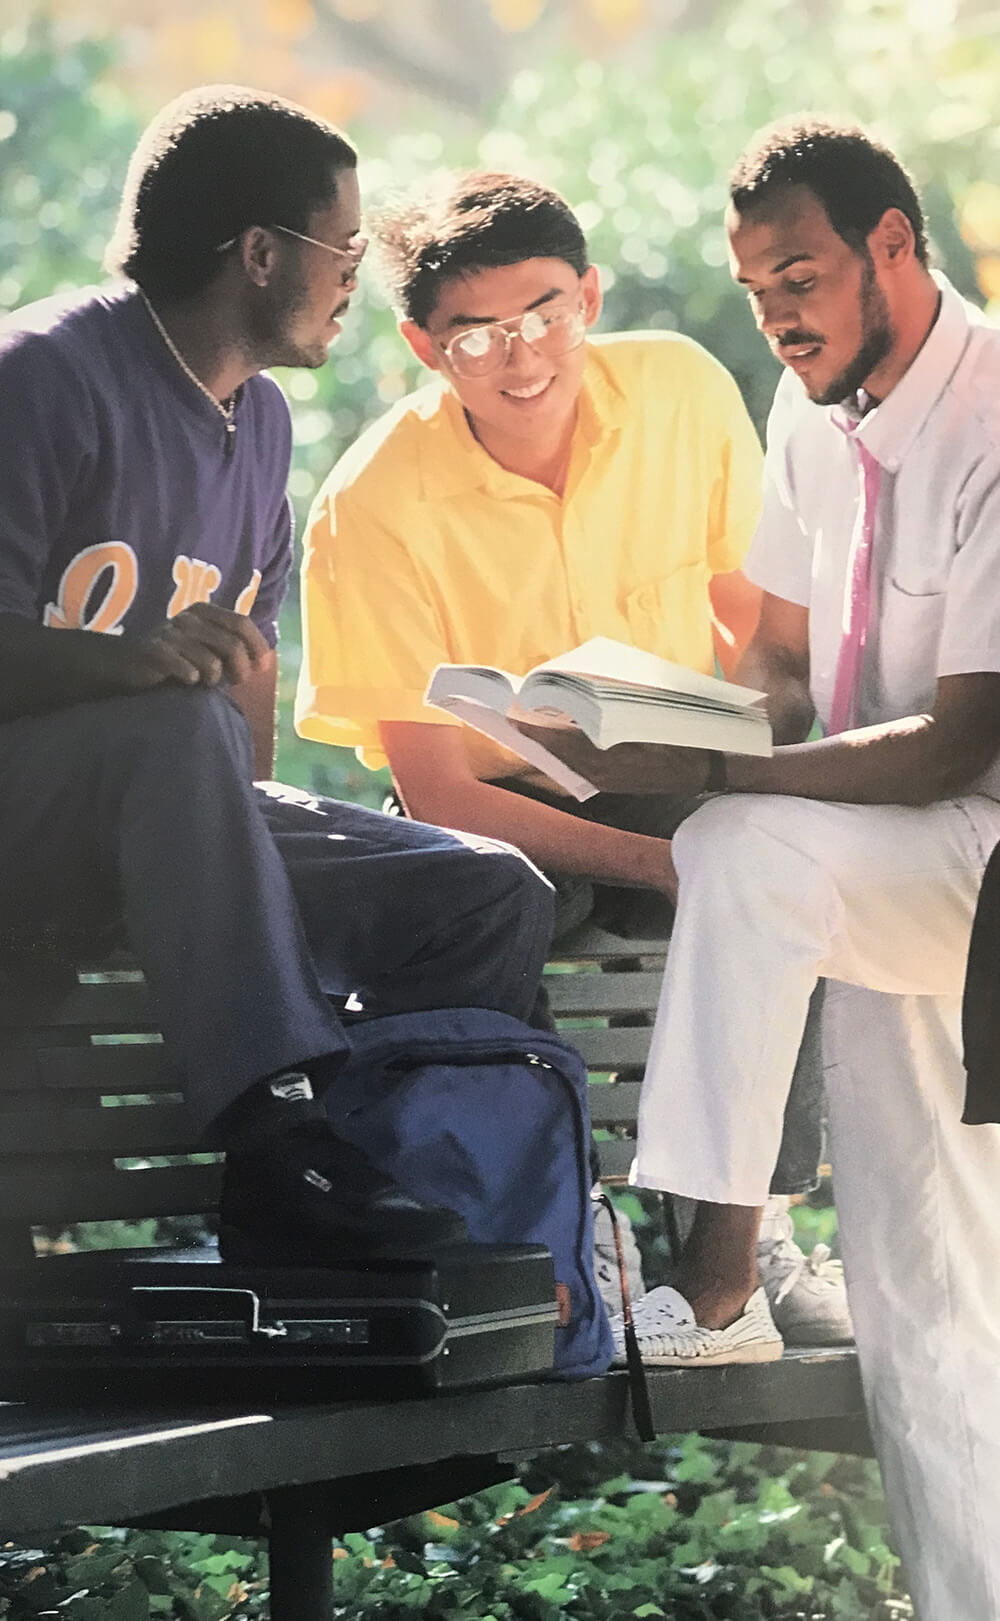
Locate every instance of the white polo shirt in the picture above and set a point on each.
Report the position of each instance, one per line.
(935, 601)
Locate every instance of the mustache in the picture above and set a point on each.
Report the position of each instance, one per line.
(797, 338)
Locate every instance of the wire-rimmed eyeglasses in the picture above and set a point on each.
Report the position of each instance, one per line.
(480, 350)
(354, 254)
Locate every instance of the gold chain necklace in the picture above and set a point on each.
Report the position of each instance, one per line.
(227, 408)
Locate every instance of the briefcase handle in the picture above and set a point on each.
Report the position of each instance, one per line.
(247, 1298)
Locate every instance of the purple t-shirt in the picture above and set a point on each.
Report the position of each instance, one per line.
(119, 506)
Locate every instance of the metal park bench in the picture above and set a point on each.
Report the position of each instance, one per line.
(93, 1130)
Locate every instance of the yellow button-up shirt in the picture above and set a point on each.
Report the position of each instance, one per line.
(421, 549)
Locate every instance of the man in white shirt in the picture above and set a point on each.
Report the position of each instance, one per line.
(859, 856)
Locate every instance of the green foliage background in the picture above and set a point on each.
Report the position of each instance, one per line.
(640, 144)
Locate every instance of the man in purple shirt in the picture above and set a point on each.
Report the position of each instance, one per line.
(145, 545)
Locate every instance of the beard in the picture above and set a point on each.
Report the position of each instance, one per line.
(876, 342)
(271, 325)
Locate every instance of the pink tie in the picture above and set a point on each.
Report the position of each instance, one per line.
(847, 683)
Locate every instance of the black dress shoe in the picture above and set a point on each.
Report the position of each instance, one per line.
(307, 1198)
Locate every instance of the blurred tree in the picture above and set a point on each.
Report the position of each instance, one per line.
(642, 143)
(65, 135)
(342, 55)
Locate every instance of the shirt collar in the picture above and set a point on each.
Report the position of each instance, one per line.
(890, 429)
(603, 405)
(458, 461)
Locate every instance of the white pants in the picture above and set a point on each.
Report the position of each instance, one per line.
(775, 892)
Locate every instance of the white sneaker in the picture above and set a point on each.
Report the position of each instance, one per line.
(669, 1337)
(806, 1293)
(606, 1260)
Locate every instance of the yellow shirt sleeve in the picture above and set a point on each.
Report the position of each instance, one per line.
(371, 634)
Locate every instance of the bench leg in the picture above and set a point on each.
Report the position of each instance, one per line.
(300, 1555)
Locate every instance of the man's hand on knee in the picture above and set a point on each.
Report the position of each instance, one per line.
(203, 645)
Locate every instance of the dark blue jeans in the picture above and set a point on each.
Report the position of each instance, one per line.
(248, 908)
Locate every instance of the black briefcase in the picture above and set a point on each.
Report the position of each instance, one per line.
(162, 1323)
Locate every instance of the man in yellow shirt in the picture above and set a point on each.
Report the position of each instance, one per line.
(542, 489)
(507, 512)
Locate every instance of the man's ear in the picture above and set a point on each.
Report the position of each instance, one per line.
(892, 242)
(590, 289)
(422, 344)
(258, 252)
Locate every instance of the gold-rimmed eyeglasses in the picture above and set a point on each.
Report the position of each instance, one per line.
(480, 350)
(354, 254)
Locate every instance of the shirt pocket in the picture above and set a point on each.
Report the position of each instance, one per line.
(909, 639)
(671, 615)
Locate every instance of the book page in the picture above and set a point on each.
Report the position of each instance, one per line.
(609, 660)
(480, 682)
(487, 721)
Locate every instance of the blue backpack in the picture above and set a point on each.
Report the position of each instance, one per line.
(474, 1110)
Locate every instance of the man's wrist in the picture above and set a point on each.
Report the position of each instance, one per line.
(717, 779)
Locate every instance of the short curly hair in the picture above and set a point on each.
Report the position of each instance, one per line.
(854, 176)
(469, 222)
(212, 162)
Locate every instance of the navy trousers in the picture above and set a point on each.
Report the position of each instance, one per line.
(248, 907)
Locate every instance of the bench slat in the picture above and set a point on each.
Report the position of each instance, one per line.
(56, 1191)
(61, 1468)
(615, 1158)
(24, 1002)
(613, 1103)
(603, 993)
(119, 1132)
(589, 943)
(622, 1048)
(129, 1067)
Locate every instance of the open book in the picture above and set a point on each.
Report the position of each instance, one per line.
(614, 694)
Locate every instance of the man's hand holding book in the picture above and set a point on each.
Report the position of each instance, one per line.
(626, 768)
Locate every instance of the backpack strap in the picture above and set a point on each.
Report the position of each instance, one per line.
(638, 1389)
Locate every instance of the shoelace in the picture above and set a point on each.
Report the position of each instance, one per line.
(637, 1387)
(818, 1263)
